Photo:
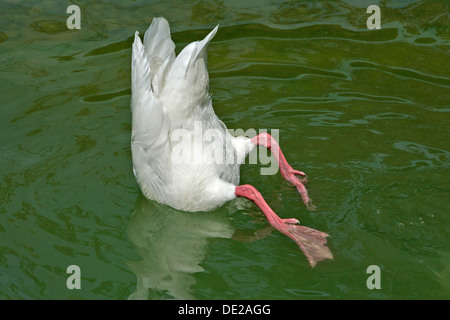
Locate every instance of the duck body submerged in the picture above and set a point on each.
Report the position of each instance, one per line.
(183, 155)
(172, 113)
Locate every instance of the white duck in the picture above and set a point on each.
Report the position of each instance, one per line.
(173, 162)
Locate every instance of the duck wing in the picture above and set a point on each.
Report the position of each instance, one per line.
(185, 91)
(160, 51)
(150, 138)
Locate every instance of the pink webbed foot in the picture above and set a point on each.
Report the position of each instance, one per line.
(287, 172)
(290, 221)
(312, 242)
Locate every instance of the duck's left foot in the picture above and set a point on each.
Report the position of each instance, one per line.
(291, 221)
(312, 242)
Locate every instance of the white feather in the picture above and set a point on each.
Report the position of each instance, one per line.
(172, 93)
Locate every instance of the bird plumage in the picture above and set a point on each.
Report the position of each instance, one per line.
(183, 155)
(172, 114)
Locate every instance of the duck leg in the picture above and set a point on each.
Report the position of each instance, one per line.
(312, 242)
(288, 173)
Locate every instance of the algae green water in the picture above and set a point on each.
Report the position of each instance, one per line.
(363, 112)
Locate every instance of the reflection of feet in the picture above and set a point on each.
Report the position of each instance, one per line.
(246, 235)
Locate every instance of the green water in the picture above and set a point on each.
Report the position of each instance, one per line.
(363, 112)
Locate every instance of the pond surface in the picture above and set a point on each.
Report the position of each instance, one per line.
(363, 112)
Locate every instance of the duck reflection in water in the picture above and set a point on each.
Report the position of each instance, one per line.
(173, 244)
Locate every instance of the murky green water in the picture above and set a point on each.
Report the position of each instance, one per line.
(363, 112)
